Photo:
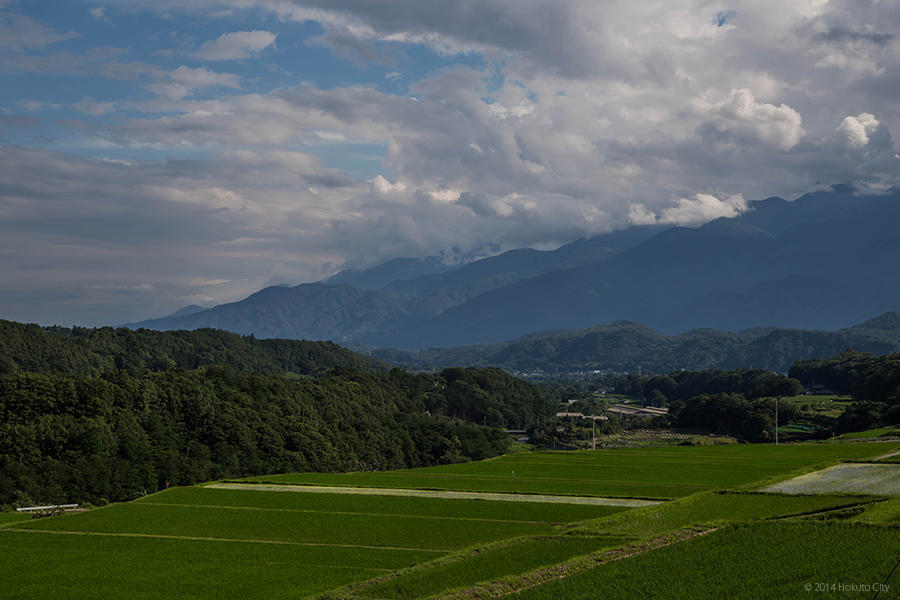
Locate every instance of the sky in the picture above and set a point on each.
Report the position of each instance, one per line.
(155, 154)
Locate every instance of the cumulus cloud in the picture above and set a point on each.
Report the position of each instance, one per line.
(741, 115)
(237, 44)
(857, 129)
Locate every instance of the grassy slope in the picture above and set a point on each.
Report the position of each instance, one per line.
(668, 472)
(501, 560)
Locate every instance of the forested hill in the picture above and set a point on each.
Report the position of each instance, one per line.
(68, 438)
(95, 415)
(624, 346)
(93, 351)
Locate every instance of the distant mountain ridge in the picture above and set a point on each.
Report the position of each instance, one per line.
(337, 311)
(624, 346)
(823, 262)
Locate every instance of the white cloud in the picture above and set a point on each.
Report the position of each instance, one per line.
(858, 129)
(742, 115)
(90, 106)
(572, 117)
(385, 188)
(35, 106)
(19, 32)
(99, 13)
(639, 215)
(183, 81)
(702, 208)
(237, 44)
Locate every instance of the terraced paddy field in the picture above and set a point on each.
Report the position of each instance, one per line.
(662, 473)
(212, 542)
(759, 560)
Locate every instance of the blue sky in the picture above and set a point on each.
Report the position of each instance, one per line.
(155, 154)
(93, 37)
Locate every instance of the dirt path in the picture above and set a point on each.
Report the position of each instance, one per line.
(455, 495)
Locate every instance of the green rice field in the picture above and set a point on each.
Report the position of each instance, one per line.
(882, 479)
(667, 472)
(209, 542)
(893, 431)
(761, 561)
(216, 539)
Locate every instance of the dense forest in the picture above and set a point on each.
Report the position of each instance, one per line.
(872, 381)
(683, 385)
(106, 415)
(83, 351)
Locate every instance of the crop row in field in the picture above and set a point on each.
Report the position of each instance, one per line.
(74, 567)
(321, 528)
(760, 561)
(666, 472)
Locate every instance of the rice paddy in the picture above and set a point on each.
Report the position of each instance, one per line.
(882, 479)
(659, 473)
(410, 534)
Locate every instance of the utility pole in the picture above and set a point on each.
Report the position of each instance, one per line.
(776, 420)
(593, 433)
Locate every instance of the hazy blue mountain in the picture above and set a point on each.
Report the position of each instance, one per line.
(381, 300)
(431, 295)
(397, 269)
(624, 346)
(187, 310)
(824, 261)
(311, 311)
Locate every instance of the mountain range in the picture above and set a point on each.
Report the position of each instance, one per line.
(824, 261)
(624, 346)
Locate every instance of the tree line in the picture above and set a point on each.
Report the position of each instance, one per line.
(84, 351)
(872, 381)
